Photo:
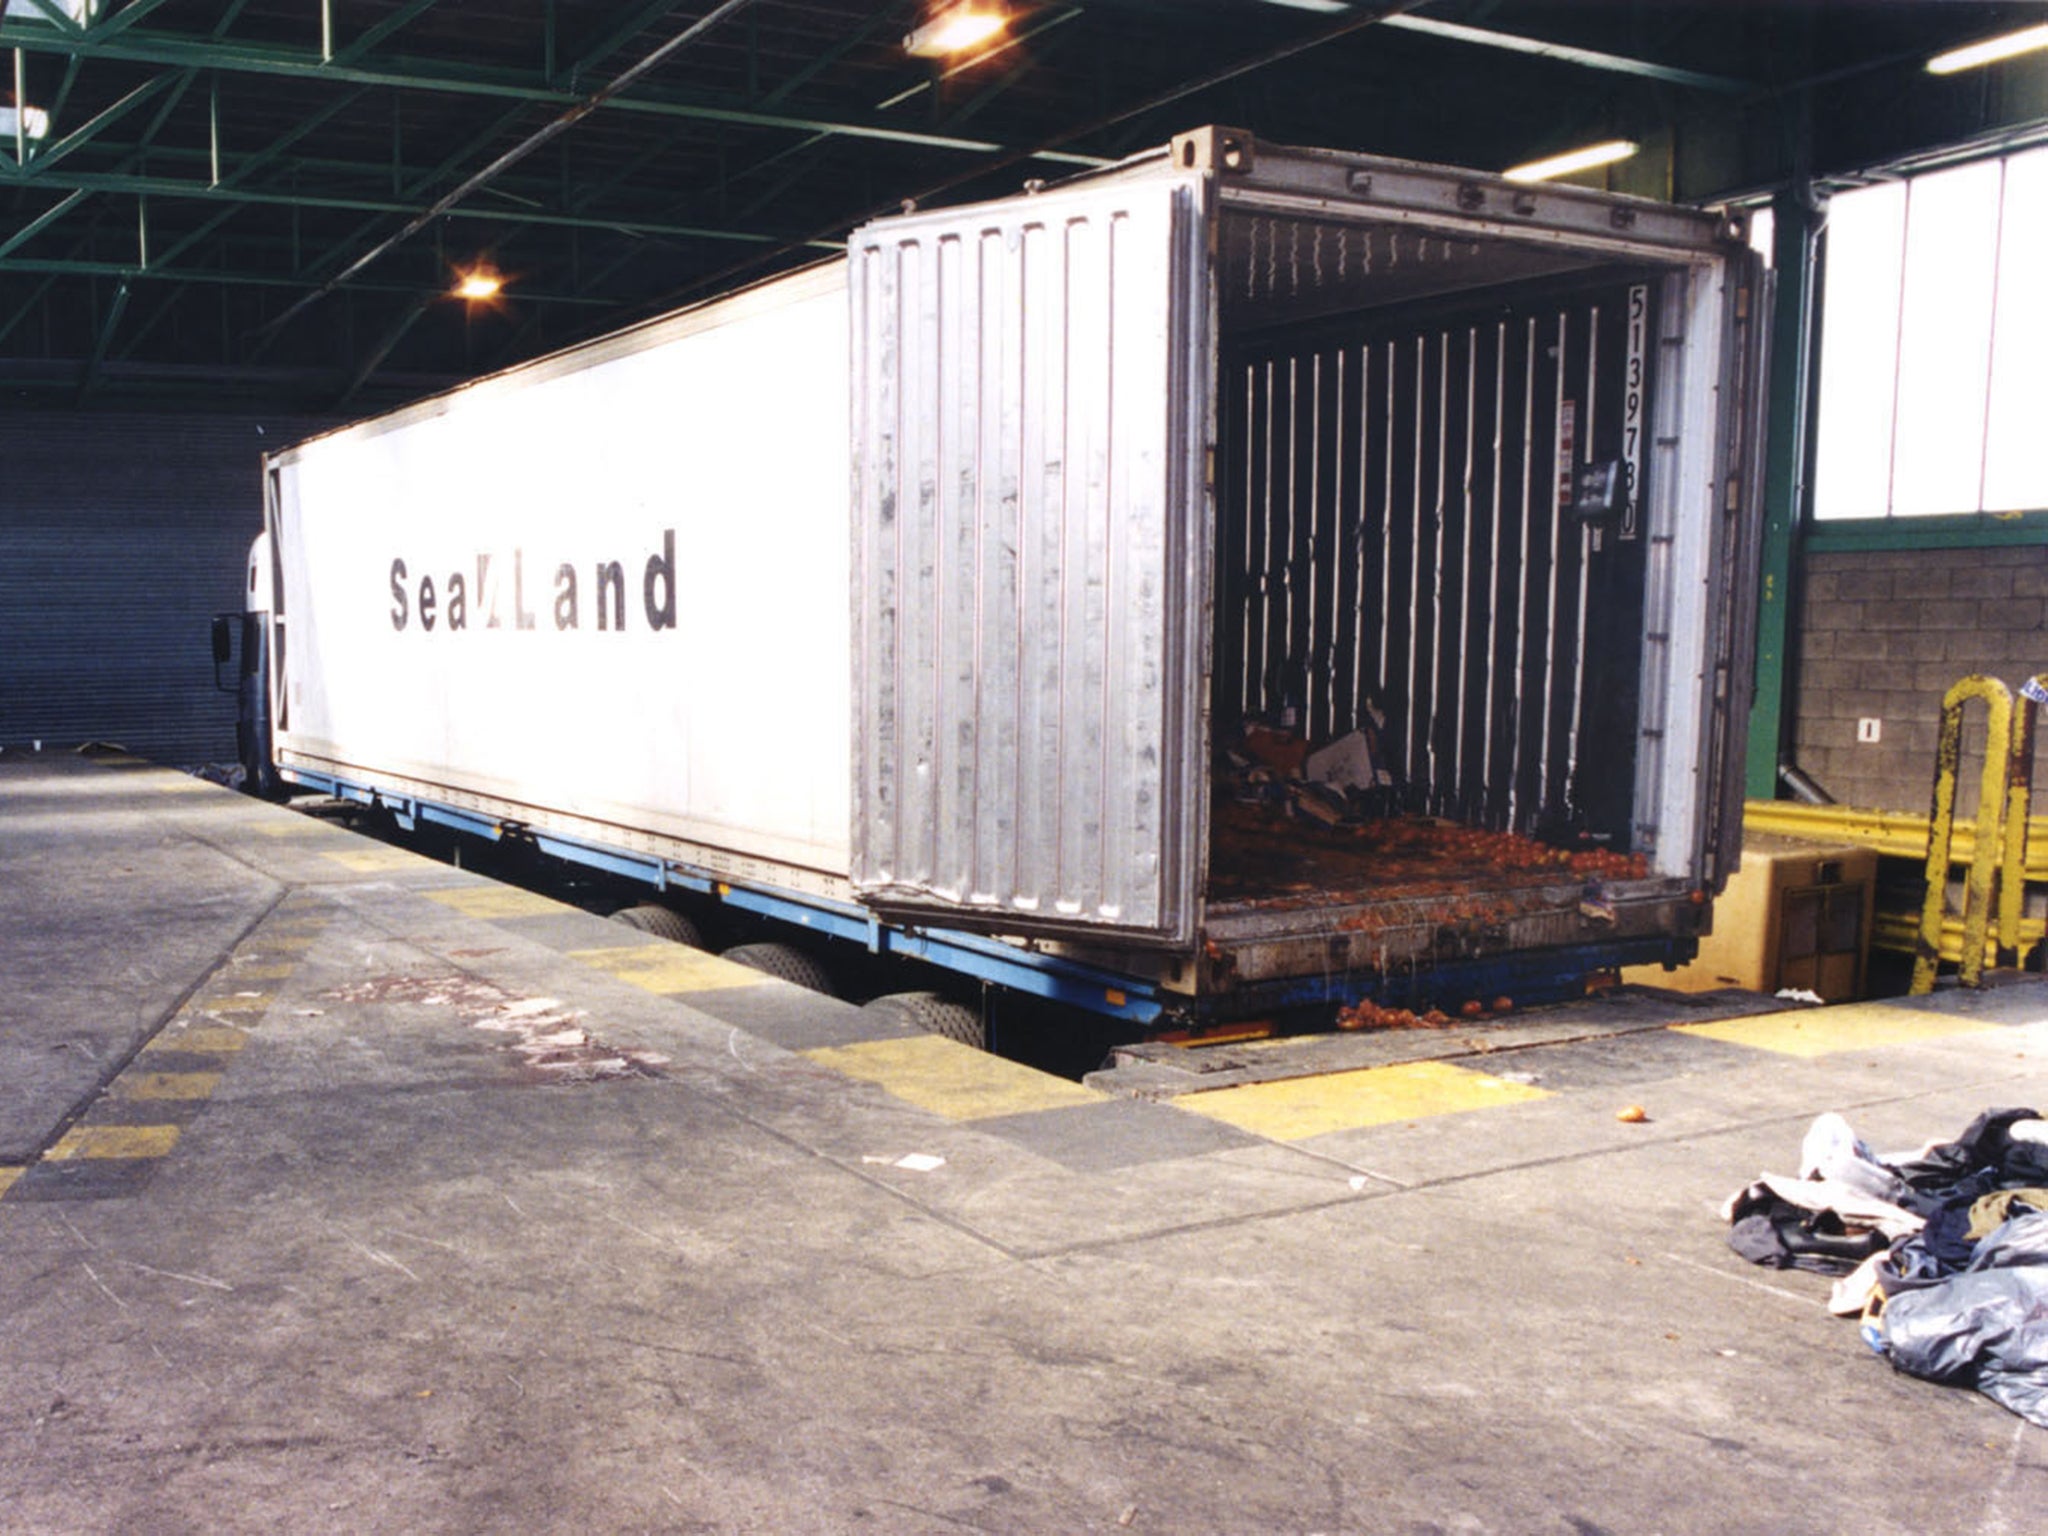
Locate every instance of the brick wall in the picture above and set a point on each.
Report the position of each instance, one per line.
(1882, 636)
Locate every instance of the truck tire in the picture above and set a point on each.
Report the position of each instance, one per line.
(662, 922)
(935, 1015)
(785, 962)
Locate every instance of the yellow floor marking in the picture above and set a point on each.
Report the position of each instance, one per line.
(165, 1085)
(374, 861)
(1823, 1031)
(200, 1039)
(283, 943)
(113, 1141)
(494, 901)
(8, 1176)
(255, 1002)
(120, 760)
(277, 972)
(951, 1079)
(1296, 1108)
(299, 826)
(671, 968)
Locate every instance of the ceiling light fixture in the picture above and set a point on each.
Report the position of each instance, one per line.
(954, 29)
(479, 284)
(1990, 51)
(1574, 160)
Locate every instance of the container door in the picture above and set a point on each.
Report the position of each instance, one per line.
(1745, 370)
(1031, 385)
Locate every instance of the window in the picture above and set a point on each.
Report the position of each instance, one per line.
(1934, 345)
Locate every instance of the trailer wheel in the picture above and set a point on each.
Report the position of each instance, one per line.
(785, 962)
(935, 1015)
(662, 922)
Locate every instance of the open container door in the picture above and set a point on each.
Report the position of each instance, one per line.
(1031, 384)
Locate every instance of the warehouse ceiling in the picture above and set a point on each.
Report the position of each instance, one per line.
(209, 203)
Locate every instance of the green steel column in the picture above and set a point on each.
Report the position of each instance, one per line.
(1794, 237)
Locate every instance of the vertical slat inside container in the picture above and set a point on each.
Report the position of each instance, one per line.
(1398, 536)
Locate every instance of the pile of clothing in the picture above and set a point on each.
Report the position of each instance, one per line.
(1943, 1252)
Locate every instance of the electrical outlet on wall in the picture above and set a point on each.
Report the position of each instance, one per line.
(1869, 729)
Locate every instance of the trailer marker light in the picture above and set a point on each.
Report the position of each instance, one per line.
(1573, 160)
(1990, 51)
(955, 29)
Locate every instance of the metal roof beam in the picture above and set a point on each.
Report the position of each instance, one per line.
(253, 163)
(115, 310)
(179, 85)
(306, 64)
(28, 307)
(645, 17)
(56, 16)
(167, 186)
(41, 222)
(887, 16)
(404, 16)
(120, 21)
(548, 131)
(86, 132)
(224, 278)
(1565, 53)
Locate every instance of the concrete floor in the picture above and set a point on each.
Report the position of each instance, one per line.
(344, 1191)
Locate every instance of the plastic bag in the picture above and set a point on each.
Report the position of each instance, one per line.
(1986, 1327)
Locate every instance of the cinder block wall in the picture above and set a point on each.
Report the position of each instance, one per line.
(1883, 635)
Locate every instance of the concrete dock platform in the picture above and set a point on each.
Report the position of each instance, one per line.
(341, 1190)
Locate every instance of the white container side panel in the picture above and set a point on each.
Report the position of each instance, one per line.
(1023, 500)
(614, 589)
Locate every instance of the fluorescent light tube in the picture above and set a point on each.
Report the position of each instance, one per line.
(1990, 51)
(1575, 160)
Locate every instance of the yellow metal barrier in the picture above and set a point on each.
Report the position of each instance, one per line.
(1899, 930)
(1895, 834)
(2004, 847)
(2019, 794)
(1990, 842)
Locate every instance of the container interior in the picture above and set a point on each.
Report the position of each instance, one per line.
(1429, 652)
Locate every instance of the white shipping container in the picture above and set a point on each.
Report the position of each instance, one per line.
(606, 594)
(946, 588)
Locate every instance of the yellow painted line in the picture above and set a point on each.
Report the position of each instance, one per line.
(120, 760)
(283, 943)
(255, 1002)
(372, 861)
(8, 1176)
(277, 972)
(200, 1039)
(951, 1079)
(113, 1141)
(493, 901)
(165, 1085)
(1296, 1108)
(1824, 1031)
(671, 968)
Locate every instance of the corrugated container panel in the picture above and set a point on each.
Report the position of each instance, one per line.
(1021, 553)
(121, 535)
